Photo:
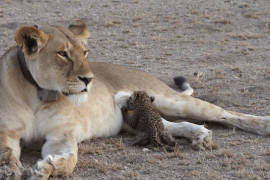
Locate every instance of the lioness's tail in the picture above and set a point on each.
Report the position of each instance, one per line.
(183, 85)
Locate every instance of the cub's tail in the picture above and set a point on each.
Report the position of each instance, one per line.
(182, 83)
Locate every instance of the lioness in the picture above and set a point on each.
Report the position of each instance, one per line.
(55, 59)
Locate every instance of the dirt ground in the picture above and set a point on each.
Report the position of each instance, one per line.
(222, 47)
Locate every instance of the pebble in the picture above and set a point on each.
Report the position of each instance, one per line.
(146, 150)
(267, 160)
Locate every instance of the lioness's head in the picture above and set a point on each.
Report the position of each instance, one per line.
(57, 58)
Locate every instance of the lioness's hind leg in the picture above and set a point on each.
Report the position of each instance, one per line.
(200, 137)
(177, 105)
(10, 166)
(59, 158)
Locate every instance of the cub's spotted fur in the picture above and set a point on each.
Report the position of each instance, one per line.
(140, 115)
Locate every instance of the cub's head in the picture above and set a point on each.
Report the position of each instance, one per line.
(139, 98)
(57, 58)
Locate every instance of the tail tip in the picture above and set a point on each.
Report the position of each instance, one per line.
(181, 82)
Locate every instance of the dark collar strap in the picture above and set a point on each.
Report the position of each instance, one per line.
(43, 94)
(24, 68)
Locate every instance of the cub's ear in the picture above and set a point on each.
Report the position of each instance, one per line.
(136, 96)
(152, 98)
(80, 30)
(30, 39)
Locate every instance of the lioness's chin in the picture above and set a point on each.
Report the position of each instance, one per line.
(78, 98)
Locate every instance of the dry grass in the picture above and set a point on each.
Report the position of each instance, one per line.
(136, 19)
(112, 22)
(195, 173)
(214, 175)
(120, 146)
(250, 14)
(226, 153)
(160, 29)
(222, 21)
(124, 46)
(240, 163)
(206, 27)
(214, 146)
(266, 153)
(102, 167)
(170, 155)
(90, 149)
(132, 175)
(126, 31)
(211, 174)
(116, 21)
(245, 35)
(262, 166)
(195, 12)
(242, 173)
(97, 149)
(267, 26)
(249, 156)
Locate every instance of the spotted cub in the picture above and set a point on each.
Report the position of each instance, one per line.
(140, 115)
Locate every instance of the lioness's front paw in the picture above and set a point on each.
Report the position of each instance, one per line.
(33, 174)
(41, 171)
(202, 139)
(10, 172)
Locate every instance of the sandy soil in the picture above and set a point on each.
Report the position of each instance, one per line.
(222, 47)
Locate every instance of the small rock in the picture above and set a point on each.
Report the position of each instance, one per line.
(243, 6)
(120, 177)
(267, 160)
(146, 150)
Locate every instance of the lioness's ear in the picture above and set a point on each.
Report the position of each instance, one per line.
(80, 30)
(30, 39)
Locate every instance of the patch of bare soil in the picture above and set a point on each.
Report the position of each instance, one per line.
(222, 47)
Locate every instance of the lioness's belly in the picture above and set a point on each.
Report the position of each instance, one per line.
(100, 116)
(97, 117)
(101, 120)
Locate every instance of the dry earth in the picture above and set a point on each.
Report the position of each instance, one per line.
(221, 46)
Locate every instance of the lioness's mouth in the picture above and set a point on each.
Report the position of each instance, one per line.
(84, 90)
(77, 93)
(66, 94)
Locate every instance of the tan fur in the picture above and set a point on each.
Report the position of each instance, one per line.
(79, 29)
(81, 115)
(31, 31)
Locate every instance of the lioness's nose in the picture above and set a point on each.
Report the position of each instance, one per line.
(86, 80)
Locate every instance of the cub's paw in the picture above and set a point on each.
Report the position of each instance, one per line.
(167, 139)
(202, 139)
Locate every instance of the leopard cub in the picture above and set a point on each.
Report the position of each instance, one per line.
(140, 115)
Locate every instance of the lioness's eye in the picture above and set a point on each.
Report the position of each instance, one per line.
(63, 53)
